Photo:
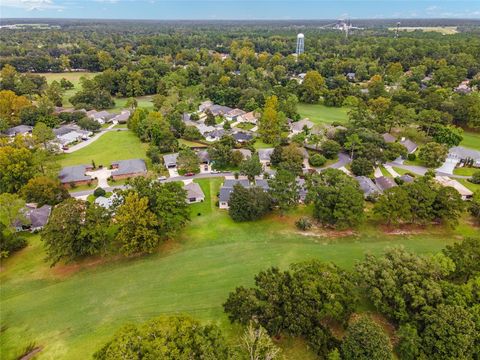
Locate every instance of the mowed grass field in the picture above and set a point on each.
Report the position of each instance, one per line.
(111, 146)
(471, 140)
(321, 114)
(70, 311)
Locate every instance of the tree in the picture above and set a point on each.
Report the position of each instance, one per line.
(251, 167)
(271, 121)
(376, 87)
(474, 207)
(43, 134)
(92, 96)
(393, 206)
(11, 215)
(433, 154)
(44, 190)
(366, 340)
(448, 205)
(330, 149)
(54, 93)
(18, 166)
(76, 229)
(475, 179)
(187, 162)
(336, 198)
(284, 190)
(210, 119)
(450, 333)
(257, 345)
(192, 133)
(247, 204)
(312, 87)
(175, 337)
(11, 106)
(220, 154)
(353, 144)
(137, 226)
(362, 167)
(466, 256)
(447, 135)
(89, 124)
(317, 160)
(131, 103)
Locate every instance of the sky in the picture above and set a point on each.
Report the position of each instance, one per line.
(239, 9)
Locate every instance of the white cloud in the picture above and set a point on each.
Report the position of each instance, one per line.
(31, 5)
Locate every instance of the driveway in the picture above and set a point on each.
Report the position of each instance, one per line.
(448, 166)
(102, 175)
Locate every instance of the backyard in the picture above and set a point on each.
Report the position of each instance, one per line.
(69, 311)
(471, 140)
(111, 146)
(321, 114)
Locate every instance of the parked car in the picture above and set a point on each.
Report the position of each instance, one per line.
(190, 174)
(162, 178)
(65, 147)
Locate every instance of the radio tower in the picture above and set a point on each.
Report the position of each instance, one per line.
(396, 30)
(300, 44)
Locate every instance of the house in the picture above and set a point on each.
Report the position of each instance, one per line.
(104, 201)
(128, 168)
(203, 157)
(464, 192)
(170, 160)
(463, 87)
(100, 116)
(19, 130)
(350, 76)
(75, 175)
(219, 110)
(203, 129)
(247, 154)
(264, 156)
(233, 114)
(35, 218)
(262, 183)
(388, 138)
(242, 137)
(227, 189)
(385, 183)
(205, 106)
(298, 126)
(185, 117)
(194, 193)
(409, 145)
(367, 186)
(215, 135)
(121, 118)
(302, 189)
(70, 133)
(461, 153)
(250, 117)
(407, 178)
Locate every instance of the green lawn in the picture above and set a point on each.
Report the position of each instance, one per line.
(385, 172)
(70, 311)
(142, 101)
(401, 171)
(471, 140)
(112, 146)
(259, 144)
(473, 187)
(465, 171)
(321, 114)
(190, 143)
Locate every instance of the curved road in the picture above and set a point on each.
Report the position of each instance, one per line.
(420, 170)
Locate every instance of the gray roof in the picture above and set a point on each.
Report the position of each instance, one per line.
(302, 188)
(20, 129)
(299, 125)
(367, 185)
(185, 117)
(122, 117)
(264, 154)
(461, 152)
(245, 152)
(65, 129)
(388, 138)
(217, 133)
(409, 145)
(407, 178)
(170, 159)
(104, 201)
(227, 188)
(35, 217)
(73, 174)
(203, 156)
(219, 109)
(194, 190)
(131, 166)
(242, 136)
(262, 183)
(384, 183)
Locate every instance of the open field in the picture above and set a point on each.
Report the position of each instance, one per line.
(112, 146)
(70, 311)
(465, 171)
(473, 187)
(190, 143)
(471, 140)
(444, 30)
(143, 102)
(321, 114)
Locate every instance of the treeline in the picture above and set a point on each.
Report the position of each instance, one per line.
(433, 302)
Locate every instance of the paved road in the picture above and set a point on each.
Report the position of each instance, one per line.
(420, 170)
(92, 139)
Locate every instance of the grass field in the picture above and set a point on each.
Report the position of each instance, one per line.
(321, 114)
(471, 140)
(444, 30)
(70, 311)
(112, 146)
(465, 171)
(473, 187)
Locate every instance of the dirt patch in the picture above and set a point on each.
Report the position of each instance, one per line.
(381, 320)
(31, 354)
(402, 229)
(324, 233)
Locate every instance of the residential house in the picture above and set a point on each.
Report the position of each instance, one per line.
(227, 189)
(264, 156)
(121, 118)
(100, 116)
(125, 169)
(247, 154)
(219, 110)
(350, 76)
(215, 135)
(70, 133)
(250, 117)
(205, 106)
(233, 114)
(19, 130)
(407, 178)
(170, 160)
(463, 87)
(298, 126)
(204, 157)
(194, 193)
(242, 137)
(367, 186)
(461, 153)
(302, 189)
(75, 175)
(385, 183)
(35, 218)
(388, 138)
(464, 192)
(262, 183)
(409, 145)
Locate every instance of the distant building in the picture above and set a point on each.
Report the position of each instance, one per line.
(250, 117)
(407, 178)
(19, 130)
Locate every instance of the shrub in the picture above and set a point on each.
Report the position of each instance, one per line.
(412, 157)
(317, 160)
(330, 149)
(475, 179)
(362, 167)
(303, 224)
(99, 192)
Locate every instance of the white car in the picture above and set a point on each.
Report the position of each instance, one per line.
(162, 178)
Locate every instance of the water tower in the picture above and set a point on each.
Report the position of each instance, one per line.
(300, 44)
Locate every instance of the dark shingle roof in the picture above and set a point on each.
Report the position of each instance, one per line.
(73, 174)
(227, 188)
(367, 185)
(242, 136)
(384, 183)
(20, 129)
(131, 166)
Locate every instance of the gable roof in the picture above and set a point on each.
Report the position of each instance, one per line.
(249, 117)
(235, 112)
(194, 190)
(245, 152)
(367, 185)
(131, 166)
(264, 154)
(461, 152)
(170, 159)
(219, 109)
(242, 136)
(409, 145)
(299, 125)
(203, 156)
(20, 129)
(388, 138)
(384, 183)
(74, 174)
